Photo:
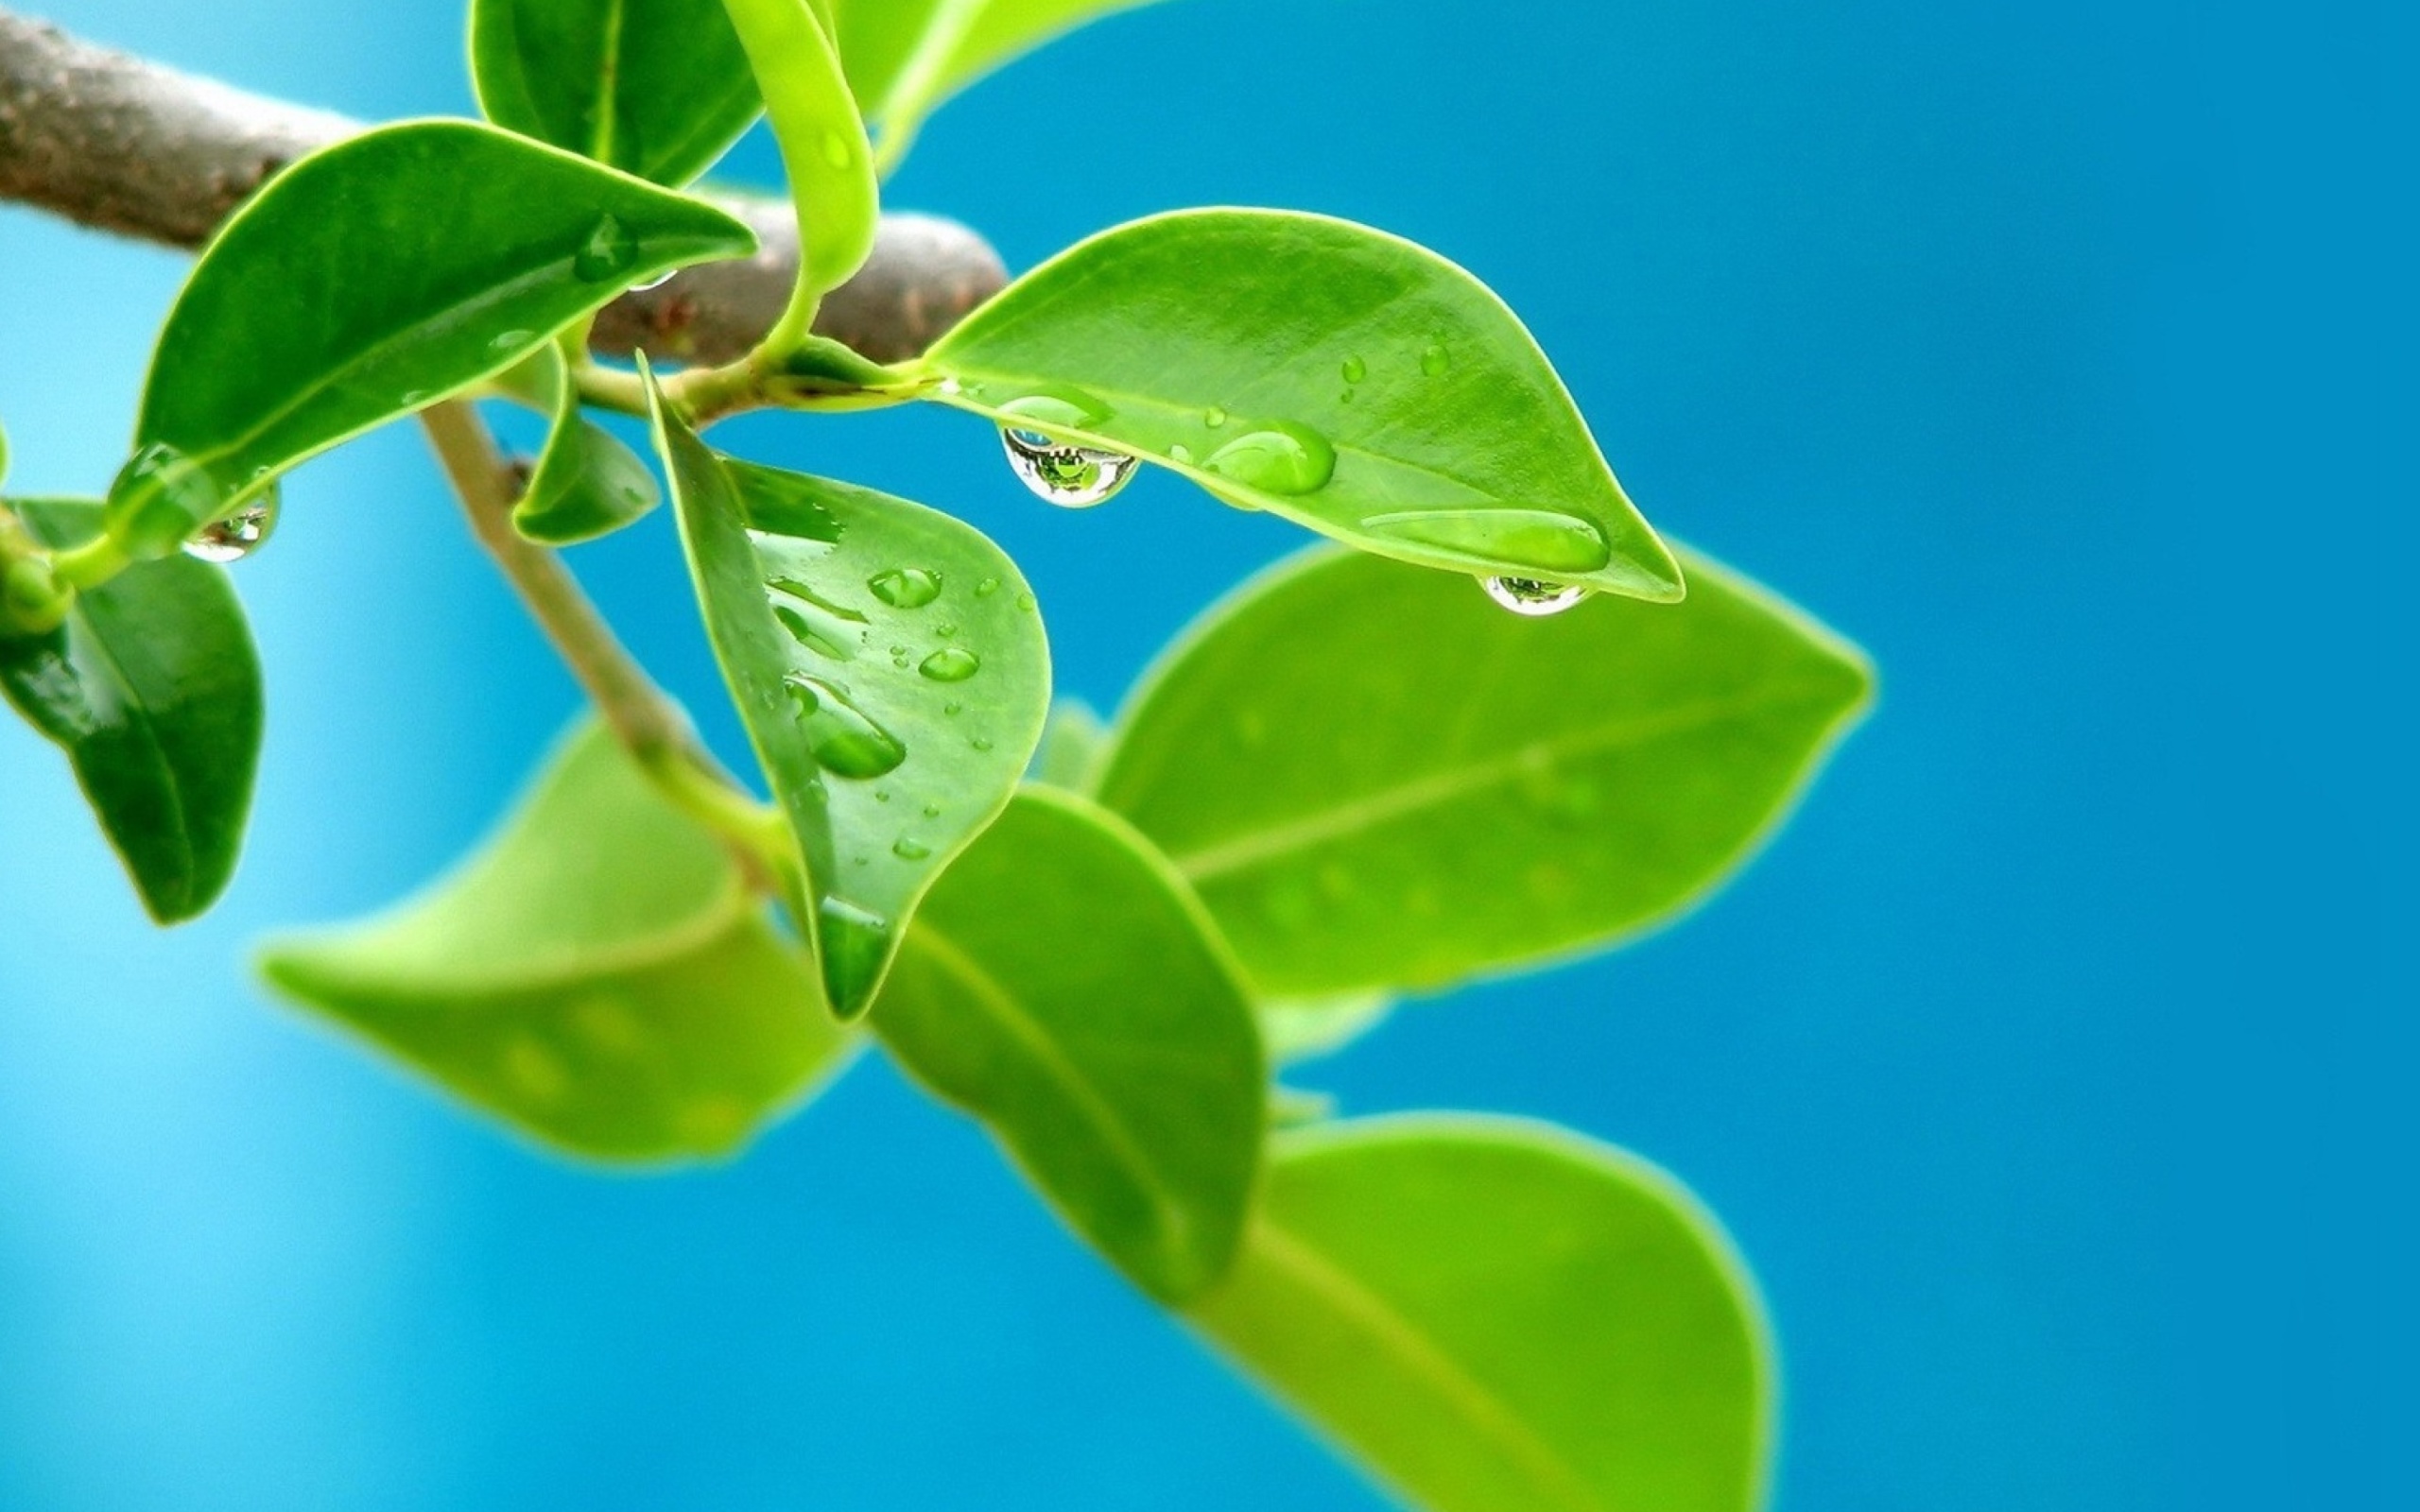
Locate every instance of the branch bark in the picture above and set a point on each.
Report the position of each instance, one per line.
(125, 145)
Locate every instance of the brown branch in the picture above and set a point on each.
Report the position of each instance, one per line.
(125, 145)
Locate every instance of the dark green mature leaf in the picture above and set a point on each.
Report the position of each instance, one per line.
(824, 152)
(597, 976)
(1341, 377)
(1377, 779)
(586, 484)
(658, 88)
(153, 690)
(1498, 1316)
(373, 277)
(1062, 984)
(905, 56)
(891, 669)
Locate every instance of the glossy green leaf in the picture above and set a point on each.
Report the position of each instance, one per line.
(905, 56)
(153, 690)
(596, 976)
(1376, 778)
(586, 484)
(824, 152)
(658, 88)
(890, 668)
(1062, 984)
(371, 279)
(1499, 1317)
(1341, 377)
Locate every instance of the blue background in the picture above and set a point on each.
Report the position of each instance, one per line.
(2038, 1069)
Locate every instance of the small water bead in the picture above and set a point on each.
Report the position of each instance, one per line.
(906, 587)
(1278, 458)
(987, 588)
(1214, 417)
(1070, 476)
(845, 740)
(980, 742)
(1434, 362)
(953, 708)
(932, 811)
(511, 340)
(882, 795)
(1181, 454)
(239, 535)
(908, 848)
(609, 250)
(656, 282)
(1025, 602)
(1355, 369)
(1532, 598)
(951, 663)
(946, 629)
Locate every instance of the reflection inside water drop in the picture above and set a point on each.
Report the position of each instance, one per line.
(238, 535)
(1531, 598)
(1072, 477)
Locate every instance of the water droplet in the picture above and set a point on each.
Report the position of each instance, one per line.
(1025, 601)
(899, 659)
(987, 588)
(508, 340)
(980, 742)
(414, 398)
(1214, 417)
(656, 282)
(906, 587)
(861, 859)
(1531, 598)
(908, 848)
(1181, 454)
(845, 738)
(610, 249)
(1543, 538)
(1072, 477)
(932, 811)
(855, 939)
(951, 663)
(816, 639)
(882, 795)
(1434, 362)
(159, 498)
(1355, 369)
(1280, 457)
(837, 152)
(817, 623)
(953, 708)
(946, 629)
(238, 535)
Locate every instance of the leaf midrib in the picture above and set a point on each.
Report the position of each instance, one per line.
(1464, 1397)
(158, 748)
(1252, 847)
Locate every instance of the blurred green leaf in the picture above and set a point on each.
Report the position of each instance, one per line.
(1062, 984)
(906, 56)
(891, 669)
(1307, 1029)
(1376, 779)
(1498, 1316)
(657, 88)
(823, 140)
(373, 277)
(1073, 744)
(153, 690)
(586, 483)
(597, 976)
(1336, 375)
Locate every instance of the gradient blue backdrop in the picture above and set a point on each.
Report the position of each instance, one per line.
(2030, 345)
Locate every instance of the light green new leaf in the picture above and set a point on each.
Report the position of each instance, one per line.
(1498, 1316)
(1063, 986)
(1307, 1029)
(153, 690)
(1376, 779)
(905, 56)
(892, 672)
(823, 139)
(1341, 377)
(1073, 744)
(658, 88)
(373, 277)
(586, 483)
(597, 976)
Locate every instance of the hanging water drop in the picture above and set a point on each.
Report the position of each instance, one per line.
(1278, 458)
(1532, 598)
(656, 282)
(1072, 477)
(238, 535)
(951, 663)
(159, 498)
(906, 587)
(610, 249)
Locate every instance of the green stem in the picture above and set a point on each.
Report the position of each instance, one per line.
(642, 718)
(91, 565)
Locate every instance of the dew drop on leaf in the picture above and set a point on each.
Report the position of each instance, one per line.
(845, 740)
(238, 535)
(1434, 362)
(906, 587)
(1531, 598)
(1279, 457)
(951, 663)
(932, 811)
(908, 848)
(610, 249)
(1214, 417)
(1355, 369)
(987, 588)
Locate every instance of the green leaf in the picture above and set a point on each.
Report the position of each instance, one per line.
(153, 690)
(1498, 1316)
(1376, 779)
(657, 88)
(597, 976)
(1307, 1029)
(1341, 377)
(906, 56)
(824, 152)
(1062, 984)
(380, 275)
(892, 672)
(586, 483)
(1072, 745)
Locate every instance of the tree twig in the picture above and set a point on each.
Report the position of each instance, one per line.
(114, 141)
